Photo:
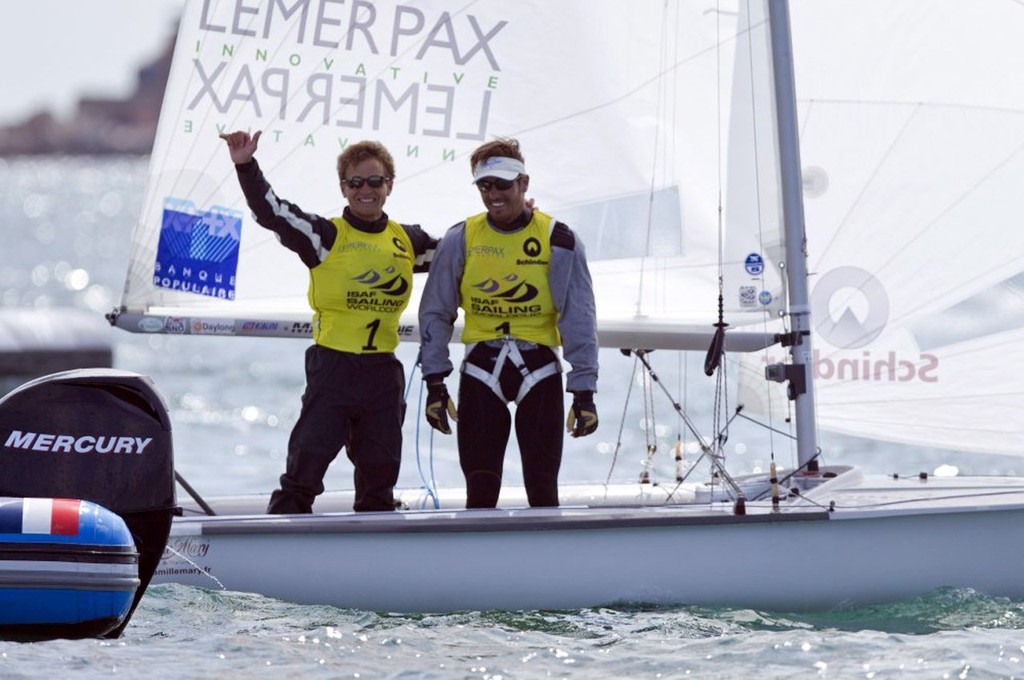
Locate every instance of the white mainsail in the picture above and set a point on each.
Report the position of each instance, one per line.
(617, 106)
(912, 138)
(638, 122)
(646, 128)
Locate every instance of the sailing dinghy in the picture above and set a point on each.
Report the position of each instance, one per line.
(817, 232)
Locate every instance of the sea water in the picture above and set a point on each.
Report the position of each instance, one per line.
(67, 225)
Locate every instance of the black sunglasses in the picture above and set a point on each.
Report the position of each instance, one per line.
(485, 185)
(375, 181)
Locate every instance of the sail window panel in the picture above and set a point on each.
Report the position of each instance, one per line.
(619, 227)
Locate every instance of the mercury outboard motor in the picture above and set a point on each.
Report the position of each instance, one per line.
(100, 435)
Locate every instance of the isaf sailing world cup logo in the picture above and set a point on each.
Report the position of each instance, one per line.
(508, 289)
(375, 280)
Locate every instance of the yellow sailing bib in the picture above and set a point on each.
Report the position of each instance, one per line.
(359, 291)
(505, 289)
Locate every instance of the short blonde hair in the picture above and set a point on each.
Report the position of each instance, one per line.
(360, 151)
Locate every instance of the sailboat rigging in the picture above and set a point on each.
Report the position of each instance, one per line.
(721, 91)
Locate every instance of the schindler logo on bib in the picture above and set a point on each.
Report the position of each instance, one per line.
(198, 249)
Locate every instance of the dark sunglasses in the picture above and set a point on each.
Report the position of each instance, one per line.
(485, 185)
(375, 181)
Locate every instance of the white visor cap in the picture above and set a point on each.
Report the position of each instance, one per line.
(500, 167)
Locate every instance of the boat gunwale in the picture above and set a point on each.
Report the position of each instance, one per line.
(480, 521)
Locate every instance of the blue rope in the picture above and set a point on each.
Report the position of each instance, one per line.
(429, 486)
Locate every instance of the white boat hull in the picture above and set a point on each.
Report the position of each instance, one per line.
(571, 557)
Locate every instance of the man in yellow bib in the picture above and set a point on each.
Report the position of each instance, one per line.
(360, 280)
(522, 281)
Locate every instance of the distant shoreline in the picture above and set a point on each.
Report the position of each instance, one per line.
(98, 126)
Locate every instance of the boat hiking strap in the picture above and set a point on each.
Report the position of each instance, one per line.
(510, 352)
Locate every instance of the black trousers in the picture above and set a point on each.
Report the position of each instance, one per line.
(355, 401)
(485, 424)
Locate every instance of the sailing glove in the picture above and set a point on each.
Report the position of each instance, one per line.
(439, 407)
(582, 418)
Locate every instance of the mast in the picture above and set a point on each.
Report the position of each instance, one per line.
(800, 373)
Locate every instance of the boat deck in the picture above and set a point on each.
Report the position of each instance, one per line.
(839, 490)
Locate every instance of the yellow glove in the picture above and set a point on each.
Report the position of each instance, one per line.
(439, 407)
(582, 418)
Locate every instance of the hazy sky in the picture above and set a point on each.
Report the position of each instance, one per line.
(53, 51)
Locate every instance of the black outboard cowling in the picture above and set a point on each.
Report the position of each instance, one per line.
(101, 435)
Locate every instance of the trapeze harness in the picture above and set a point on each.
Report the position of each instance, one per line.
(507, 300)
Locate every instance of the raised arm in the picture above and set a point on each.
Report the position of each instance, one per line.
(241, 145)
(307, 234)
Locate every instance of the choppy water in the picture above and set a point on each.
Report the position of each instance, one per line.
(67, 225)
(183, 632)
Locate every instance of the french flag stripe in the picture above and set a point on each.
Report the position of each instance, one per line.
(10, 517)
(35, 515)
(64, 521)
(50, 516)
